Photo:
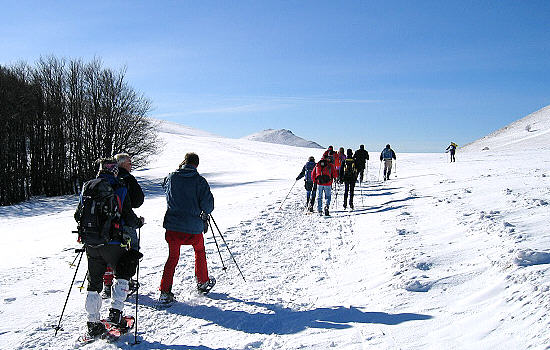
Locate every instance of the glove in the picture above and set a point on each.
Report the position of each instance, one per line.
(204, 218)
(127, 264)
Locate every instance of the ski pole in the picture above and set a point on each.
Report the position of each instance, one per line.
(58, 327)
(217, 246)
(285, 197)
(72, 264)
(235, 261)
(379, 170)
(137, 294)
(395, 168)
(84, 280)
(361, 192)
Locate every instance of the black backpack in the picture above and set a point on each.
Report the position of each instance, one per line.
(98, 215)
(350, 172)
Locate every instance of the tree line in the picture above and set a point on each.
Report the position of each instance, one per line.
(58, 117)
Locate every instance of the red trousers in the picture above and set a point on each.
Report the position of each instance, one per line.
(175, 241)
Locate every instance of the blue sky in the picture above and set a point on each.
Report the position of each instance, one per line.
(416, 74)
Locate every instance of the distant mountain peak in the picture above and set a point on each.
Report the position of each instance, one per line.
(282, 137)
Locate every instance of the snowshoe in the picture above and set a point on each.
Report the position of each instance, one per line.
(115, 317)
(205, 287)
(115, 331)
(94, 331)
(166, 299)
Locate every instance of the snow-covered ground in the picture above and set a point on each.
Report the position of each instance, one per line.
(442, 256)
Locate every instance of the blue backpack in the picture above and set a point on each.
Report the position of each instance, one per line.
(309, 168)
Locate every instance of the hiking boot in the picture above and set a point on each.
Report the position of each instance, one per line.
(345, 207)
(166, 297)
(205, 287)
(326, 211)
(351, 206)
(95, 329)
(106, 294)
(115, 317)
(310, 208)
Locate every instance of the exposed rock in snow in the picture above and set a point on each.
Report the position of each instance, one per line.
(283, 137)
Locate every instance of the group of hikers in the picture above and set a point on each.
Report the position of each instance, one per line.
(108, 228)
(338, 167)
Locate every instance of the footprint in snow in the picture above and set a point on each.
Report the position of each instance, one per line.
(424, 266)
(403, 232)
(417, 286)
(9, 300)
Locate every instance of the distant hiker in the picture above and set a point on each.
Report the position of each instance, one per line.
(323, 174)
(103, 212)
(348, 174)
(452, 149)
(339, 160)
(309, 185)
(361, 156)
(136, 195)
(387, 155)
(189, 202)
(330, 155)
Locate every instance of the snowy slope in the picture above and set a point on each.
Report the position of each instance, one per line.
(529, 133)
(443, 256)
(283, 137)
(168, 127)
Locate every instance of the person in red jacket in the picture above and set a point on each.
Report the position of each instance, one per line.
(330, 154)
(323, 174)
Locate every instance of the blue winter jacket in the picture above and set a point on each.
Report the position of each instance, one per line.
(187, 195)
(306, 171)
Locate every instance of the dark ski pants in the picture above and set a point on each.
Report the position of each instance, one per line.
(349, 186)
(175, 241)
(311, 189)
(453, 156)
(361, 172)
(98, 259)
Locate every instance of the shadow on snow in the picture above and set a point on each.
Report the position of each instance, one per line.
(283, 320)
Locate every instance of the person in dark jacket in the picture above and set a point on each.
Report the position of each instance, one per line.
(134, 189)
(361, 156)
(387, 155)
(114, 254)
(136, 199)
(452, 149)
(308, 182)
(348, 174)
(189, 202)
